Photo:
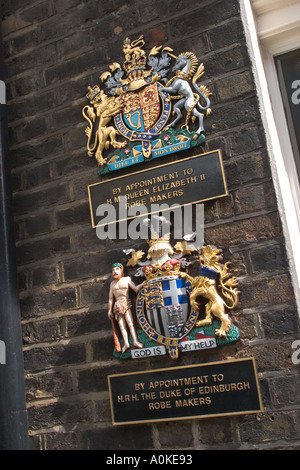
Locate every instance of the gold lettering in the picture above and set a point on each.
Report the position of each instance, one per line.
(148, 396)
(221, 388)
(159, 405)
(138, 202)
(127, 398)
(192, 402)
(137, 194)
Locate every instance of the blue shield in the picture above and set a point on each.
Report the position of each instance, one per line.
(167, 305)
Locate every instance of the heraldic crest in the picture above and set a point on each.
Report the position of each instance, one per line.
(132, 119)
(182, 305)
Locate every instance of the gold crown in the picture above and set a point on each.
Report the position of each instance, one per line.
(135, 64)
(94, 94)
(169, 268)
(135, 58)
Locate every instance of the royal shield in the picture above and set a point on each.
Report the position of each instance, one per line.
(166, 305)
(142, 108)
(163, 311)
(143, 116)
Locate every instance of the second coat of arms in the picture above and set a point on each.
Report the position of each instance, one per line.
(134, 117)
(177, 308)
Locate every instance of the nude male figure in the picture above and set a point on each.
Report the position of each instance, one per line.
(119, 305)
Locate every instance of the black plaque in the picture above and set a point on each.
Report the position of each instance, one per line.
(192, 180)
(197, 391)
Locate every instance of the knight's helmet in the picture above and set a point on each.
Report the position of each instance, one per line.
(160, 248)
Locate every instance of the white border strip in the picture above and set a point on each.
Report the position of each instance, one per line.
(2, 92)
(286, 205)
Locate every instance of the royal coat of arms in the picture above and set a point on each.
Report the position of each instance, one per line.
(132, 119)
(177, 310)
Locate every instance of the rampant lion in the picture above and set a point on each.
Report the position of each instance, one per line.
(205, 286)
(105, 108)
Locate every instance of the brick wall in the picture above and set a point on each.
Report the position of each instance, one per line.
(54, 49)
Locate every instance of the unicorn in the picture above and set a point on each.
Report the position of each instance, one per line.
(186, 68)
